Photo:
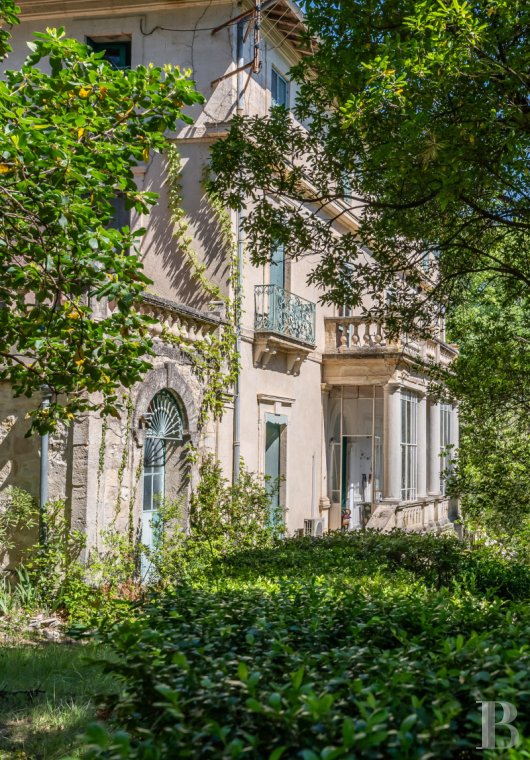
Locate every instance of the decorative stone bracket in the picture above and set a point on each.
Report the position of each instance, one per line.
(267, 346)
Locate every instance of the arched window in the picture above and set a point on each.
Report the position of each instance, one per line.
(164, 431)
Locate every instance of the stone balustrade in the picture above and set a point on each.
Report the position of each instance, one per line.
(351, 334)
(178, 320)
(423, 516)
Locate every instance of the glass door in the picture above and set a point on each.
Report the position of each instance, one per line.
(361, 478)
(154, 486)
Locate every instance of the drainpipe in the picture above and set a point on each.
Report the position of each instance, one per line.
(238, 290)
(43, 485)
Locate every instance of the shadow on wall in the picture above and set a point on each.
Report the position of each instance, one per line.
(164, 261)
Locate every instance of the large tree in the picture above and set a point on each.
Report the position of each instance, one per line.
(416, 116)
(72, 128)
(491, 377)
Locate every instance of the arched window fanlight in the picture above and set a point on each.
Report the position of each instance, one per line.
(164, 418)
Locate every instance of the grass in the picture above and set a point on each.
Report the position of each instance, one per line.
(58, 697)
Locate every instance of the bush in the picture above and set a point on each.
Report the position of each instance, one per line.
(223, 518)
(355, 645)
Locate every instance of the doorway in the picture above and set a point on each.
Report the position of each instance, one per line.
(275, 432)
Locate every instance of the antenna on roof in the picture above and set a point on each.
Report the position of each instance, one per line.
(254, 21)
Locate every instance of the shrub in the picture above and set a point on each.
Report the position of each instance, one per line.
(18, 514)
(222, 519)
(324, 648)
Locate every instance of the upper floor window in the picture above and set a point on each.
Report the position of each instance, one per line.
(279, 90)
(118, 54)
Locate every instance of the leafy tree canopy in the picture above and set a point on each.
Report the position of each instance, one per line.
(417, 117)
(492, 378)
(8, 16)
(72, 128)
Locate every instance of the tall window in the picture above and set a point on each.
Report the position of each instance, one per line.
(275, 432)
(409, 445)
(164, 430)
(279, 90)
(445, 443)
(277, 270)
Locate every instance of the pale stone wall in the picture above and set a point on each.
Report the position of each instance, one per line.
(110, 477)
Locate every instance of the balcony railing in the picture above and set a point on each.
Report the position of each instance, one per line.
(428, 515)
(351, 334)
(281, 312)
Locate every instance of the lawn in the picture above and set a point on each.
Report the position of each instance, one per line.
(47, 697)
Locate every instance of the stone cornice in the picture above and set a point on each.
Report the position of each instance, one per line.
(50, 9)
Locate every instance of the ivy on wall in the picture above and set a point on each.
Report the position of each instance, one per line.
(215, 361)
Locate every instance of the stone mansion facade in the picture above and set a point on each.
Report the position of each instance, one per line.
(325, 401)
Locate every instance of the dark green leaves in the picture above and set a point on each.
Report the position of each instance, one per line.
(354, 653)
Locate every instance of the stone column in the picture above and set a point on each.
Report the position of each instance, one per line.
(392, 442)
(454, 507)
(434, 448)
(421, 483)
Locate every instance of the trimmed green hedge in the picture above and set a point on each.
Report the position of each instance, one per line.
(357, 645)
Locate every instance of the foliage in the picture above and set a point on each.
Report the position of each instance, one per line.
(215, 360)
(54, 566)
(8, 16)
(17, 594)
(223, 518)
(415, 118)
(354, 645)
(492, 379)
(106, 582)
(69, 140)
(18, 513)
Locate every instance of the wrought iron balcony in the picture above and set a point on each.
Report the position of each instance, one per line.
(283, 313)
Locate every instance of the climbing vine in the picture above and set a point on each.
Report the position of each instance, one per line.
(215, 361)
(101, 455)
(129, 405)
